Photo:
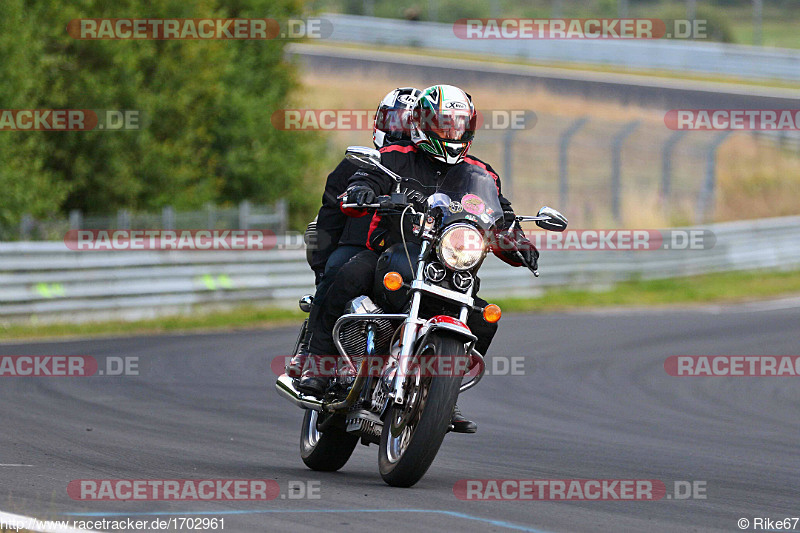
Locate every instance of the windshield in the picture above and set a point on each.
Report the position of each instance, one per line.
(468, 192)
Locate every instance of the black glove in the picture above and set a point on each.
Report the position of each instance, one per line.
(529, 253)
(516, 250)
(359, 195)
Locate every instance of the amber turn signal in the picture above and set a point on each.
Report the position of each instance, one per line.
(492, 313)
(393, 281)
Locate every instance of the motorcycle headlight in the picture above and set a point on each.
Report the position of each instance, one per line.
(461, 247)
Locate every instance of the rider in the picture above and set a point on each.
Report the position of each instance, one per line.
(441, 134)
(338, 236)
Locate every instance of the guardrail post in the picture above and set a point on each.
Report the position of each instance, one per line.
(123, 219)
(616, 168)
(244, 215)
(26, 225)
(282, 211)
(622, 8)
(758, 8)
(433, 10)
(211, 212)
(168, 217)
(563, 160)
(508, 162)
(705, 200)
(666, 166)
(75, 219)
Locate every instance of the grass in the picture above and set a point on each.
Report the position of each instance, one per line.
(705, 289)
(238, 318)
(729, 287)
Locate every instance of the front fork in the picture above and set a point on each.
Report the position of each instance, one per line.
(372, 331)
(410, 328)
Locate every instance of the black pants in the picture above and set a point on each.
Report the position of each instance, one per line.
(356, 278)
(336, 260)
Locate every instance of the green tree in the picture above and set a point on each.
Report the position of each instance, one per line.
(206, 134)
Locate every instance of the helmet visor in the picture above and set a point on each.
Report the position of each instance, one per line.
(393, 122)
(448, 125)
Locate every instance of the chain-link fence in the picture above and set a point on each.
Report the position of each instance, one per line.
(604, 173)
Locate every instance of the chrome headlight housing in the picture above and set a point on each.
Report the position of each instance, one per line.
(461, 247)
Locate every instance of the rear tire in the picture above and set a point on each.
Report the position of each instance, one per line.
(328, 451)
(404, 459)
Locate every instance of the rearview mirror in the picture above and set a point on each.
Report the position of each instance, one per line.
(554, 220)
(363, 157)
(370, 158)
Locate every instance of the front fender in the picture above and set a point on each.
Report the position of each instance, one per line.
(447, 323)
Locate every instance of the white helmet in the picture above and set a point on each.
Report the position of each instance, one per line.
(393, 118)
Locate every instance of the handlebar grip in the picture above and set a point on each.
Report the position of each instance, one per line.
(365, 206)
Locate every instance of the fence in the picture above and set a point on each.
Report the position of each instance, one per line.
(585, 156)
(47, 281)
(244, 216)
(693, 56)
(606, 173)
(590, 165)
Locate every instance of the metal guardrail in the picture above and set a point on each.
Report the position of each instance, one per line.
(244, 216)
(47, 281)
(704, 57)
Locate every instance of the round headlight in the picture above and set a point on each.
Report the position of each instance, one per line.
(461, 247)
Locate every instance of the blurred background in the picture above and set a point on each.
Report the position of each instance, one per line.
(208, 156)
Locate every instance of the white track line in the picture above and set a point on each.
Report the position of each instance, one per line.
(16, 521)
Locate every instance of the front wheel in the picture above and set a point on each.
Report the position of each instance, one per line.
(326, 451)
(413, 433)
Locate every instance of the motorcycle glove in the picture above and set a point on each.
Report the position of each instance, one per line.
(515, 249)
(359, 195)
(529, 253)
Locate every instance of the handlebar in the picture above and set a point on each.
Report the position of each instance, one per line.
(383, 202)
(363, 206)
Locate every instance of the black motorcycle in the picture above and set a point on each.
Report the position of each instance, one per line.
(403, 357)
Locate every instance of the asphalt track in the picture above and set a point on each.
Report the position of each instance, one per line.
(595, 403)
(645, 91)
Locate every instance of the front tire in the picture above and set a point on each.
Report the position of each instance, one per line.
(412, 436)
(326, 451)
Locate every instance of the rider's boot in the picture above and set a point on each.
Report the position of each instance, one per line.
(311, 381)
(460, 424)
(295, 367)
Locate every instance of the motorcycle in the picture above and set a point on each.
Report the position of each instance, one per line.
(403, 400)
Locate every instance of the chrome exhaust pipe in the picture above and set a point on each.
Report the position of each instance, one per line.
(285, 387)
